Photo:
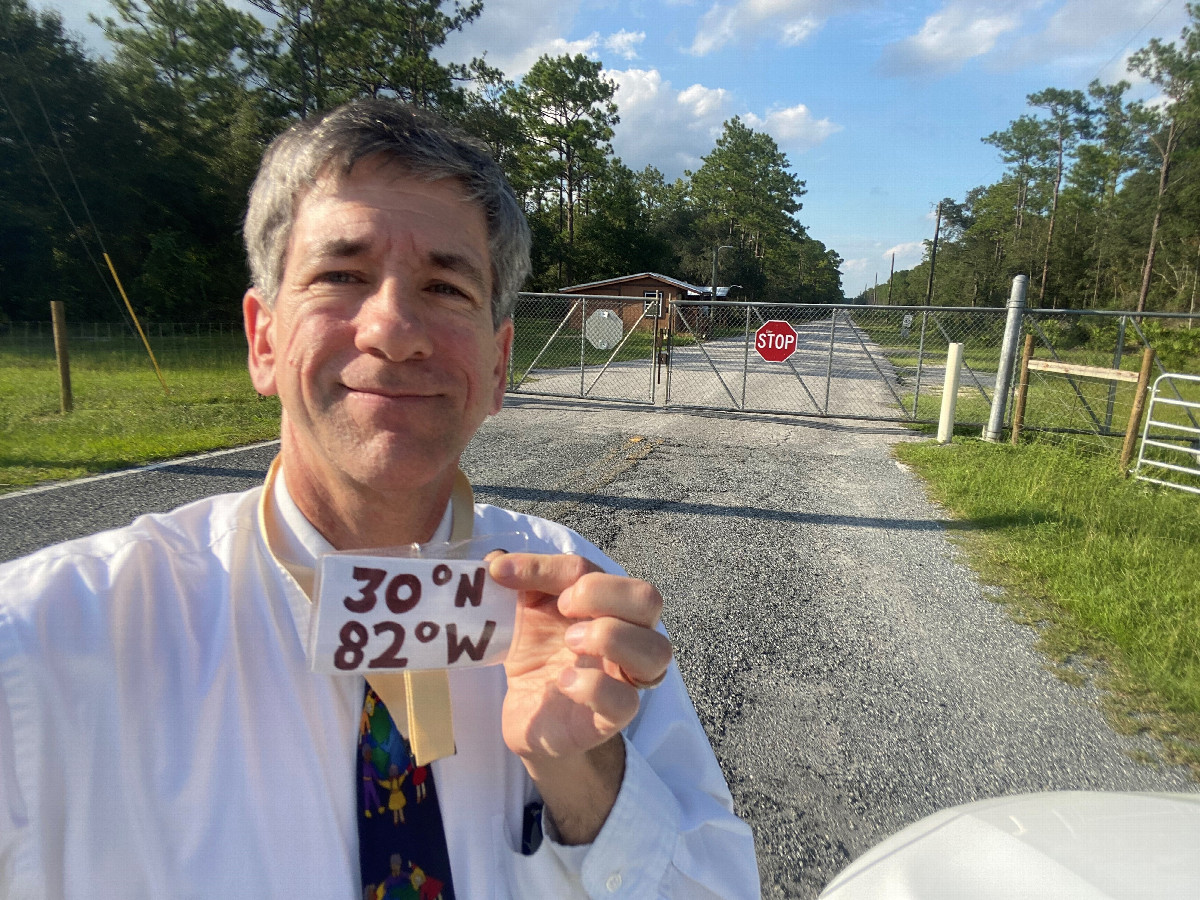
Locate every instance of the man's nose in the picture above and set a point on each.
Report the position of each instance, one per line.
(392, 323)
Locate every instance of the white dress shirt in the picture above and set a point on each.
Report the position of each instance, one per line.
(161, 735)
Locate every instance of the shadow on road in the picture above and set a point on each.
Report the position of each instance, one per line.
(537, 495)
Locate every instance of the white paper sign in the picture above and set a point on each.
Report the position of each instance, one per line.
(379, 614)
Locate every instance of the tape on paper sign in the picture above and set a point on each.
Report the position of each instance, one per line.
(377, 614)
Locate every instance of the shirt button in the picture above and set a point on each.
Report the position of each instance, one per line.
(614, 882)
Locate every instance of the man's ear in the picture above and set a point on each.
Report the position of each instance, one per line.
(260, 338)
(504, 343)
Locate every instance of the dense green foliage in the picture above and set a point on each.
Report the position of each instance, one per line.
(148, 156)
(1099, 204)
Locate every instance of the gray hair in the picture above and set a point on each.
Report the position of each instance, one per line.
(421, 144)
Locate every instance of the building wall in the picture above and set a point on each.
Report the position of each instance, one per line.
(630, 311)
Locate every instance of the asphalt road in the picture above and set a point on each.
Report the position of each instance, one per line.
(852, 674)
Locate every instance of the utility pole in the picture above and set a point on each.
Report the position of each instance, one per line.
(717, 253)
(933, 255)
(892, 280)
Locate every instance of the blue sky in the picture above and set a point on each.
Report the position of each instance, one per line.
(880, 106)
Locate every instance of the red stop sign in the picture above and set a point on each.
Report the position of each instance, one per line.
(775, 341)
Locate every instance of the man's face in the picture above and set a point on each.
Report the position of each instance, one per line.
(380, 343)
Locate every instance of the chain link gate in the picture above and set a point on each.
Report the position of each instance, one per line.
(850, 361)
(585, 347)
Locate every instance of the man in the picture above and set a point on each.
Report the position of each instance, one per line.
(161, 733)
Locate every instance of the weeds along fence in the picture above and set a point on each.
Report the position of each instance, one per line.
(117, 346)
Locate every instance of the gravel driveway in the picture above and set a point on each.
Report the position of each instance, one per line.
(852, 674)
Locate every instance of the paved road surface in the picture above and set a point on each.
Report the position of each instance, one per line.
(852, 674)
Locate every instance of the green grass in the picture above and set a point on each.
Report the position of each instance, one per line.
(1106, 567)
(122, 417)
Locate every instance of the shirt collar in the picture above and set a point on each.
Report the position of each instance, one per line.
(298, 541)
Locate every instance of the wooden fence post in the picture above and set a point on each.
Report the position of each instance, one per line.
(1022, 390)
(58, 316)
(1139, 406)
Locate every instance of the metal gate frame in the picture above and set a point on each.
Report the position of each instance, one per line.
(841, 324)
(579, 305)
(1173, 437)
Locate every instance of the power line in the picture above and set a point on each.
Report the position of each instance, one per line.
(1136, 35)
(50, 182)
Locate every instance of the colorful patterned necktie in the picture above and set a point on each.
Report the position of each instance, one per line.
(401, 841)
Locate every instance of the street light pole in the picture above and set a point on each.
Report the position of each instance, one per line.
(716, 255)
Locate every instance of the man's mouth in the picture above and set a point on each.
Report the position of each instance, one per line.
(389, 392)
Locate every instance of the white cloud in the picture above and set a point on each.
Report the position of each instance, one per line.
(958, 32)
(1095, 35)
(789, 22)
(794, 128)
(716, 29)
(672, 129)
(514, 33)
(855, 272)
(1085, 24)
(624, 43)
(907, 255)
(663, 127)
(521, 61)
(866, 259)
(1073, 35)
(704, 103)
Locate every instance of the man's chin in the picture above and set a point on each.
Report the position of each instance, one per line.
(405, 463)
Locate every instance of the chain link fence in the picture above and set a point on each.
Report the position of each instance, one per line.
(883, 363)
(117, 346)
(1094, 413)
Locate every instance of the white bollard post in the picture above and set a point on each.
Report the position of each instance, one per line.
(950, 393)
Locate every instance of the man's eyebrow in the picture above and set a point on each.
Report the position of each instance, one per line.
(462, 264)
(339, 248)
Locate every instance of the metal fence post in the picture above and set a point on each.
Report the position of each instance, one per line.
(920, 361)
(672, 312)
(829, 365)
(582, 347)
(745, 357)
(1112, 385)
(1008, 358)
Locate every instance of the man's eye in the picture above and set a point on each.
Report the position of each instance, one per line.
(443, 288)
(338, 277)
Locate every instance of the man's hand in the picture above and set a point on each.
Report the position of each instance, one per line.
(585, 640)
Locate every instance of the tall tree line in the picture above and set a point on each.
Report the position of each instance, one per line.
(1099, 203)
(148, 155)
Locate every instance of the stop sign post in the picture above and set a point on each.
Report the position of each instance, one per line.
(775, 341)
